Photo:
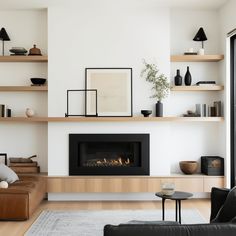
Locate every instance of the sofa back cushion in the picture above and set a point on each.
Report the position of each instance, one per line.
(171, 230)
(7, 174)
(218, 197)
(228, 210)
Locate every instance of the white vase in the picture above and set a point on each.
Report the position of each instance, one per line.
(29, 112)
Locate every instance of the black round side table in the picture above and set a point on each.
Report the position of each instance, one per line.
(177, 196)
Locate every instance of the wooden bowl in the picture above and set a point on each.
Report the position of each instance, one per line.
(188, 167)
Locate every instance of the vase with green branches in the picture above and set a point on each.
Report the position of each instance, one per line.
(161, 86)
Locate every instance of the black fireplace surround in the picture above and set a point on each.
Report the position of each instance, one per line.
(108, 154)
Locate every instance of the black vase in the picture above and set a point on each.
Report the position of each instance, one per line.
(188, 77)
(159, 109)
(178, 79)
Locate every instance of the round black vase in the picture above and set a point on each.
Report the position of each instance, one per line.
(159, 109)
(178, 79)
(188, 77)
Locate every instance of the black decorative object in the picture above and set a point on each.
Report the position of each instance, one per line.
(188, 77)
(200, 36)
(159, 109)
(114, 91)
(4, 159)
(67, 114)
(212, 165)
(8, 112)
(178, 78)
(4, 37)
(38, 81)
(146, 113)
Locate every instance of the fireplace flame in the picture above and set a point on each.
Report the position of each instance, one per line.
(109, 162)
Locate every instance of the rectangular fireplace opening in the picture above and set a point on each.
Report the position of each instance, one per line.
(109, 154)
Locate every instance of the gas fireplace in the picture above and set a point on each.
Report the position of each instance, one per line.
(109, 154)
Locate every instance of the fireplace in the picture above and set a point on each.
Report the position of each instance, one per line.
(109, 154)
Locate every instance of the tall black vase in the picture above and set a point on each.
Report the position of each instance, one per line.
(178, 79)
(188, 77)
(159, 109)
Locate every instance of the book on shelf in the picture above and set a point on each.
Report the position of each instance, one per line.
(26, 169)
(206, 83)
(28, 164)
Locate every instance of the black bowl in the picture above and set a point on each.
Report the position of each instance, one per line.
(146, 113)
(38, 81)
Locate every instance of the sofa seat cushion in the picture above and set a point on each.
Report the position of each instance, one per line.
(22, 197)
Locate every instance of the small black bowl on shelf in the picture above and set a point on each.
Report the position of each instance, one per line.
(38, 81)
(146, 113)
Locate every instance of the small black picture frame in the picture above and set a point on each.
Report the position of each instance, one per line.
(3, 158)
(85, 91)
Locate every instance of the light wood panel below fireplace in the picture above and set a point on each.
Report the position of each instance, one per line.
(130, 184)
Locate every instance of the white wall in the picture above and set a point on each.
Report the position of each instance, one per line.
(24, 28)
(114, 36)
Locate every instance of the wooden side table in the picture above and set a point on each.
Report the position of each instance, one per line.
(177, 196)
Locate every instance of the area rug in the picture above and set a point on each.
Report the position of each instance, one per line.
(91, 223)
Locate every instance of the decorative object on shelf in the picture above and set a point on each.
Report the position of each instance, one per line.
(190, 52)
(187, 77)
(38, 81)
(18, 51)
(160, 85)
(188, 167)
(24, 165)
(191, 114)
(22, 159)
(212, 165)
(218, 109)
(211, 111)
(178, 78)
(208, 82)
(2, 110)
(168, 189)
(146, 113)
(4, 37)
(201, 110)
(35, 51)
(73, 96)
(8, 112)
(200, 36)
(3, 158)
(159, 109)
(114, 91)
(29, 112)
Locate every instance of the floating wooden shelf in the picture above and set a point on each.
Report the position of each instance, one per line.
(111, 119)
(23, 58)
(198, 88)
(23, 88)
(196, 58)
(23, 119)
(133, 119)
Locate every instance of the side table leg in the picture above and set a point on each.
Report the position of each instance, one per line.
(176, 210)
(180, 211)
(163, 209)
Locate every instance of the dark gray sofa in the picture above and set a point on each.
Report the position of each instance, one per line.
(222, 221)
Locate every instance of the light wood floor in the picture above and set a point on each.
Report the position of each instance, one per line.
(19, 228)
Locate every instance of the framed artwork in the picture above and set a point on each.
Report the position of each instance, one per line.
(76, 102)
(114, 91)
(3, 158)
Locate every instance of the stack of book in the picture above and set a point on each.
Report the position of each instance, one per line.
(4, 111)
(24, 167)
